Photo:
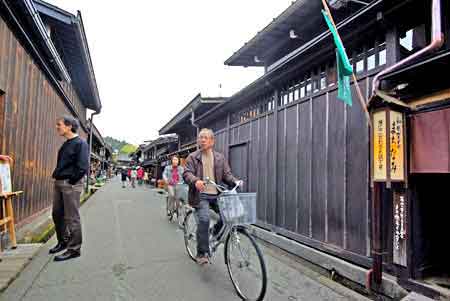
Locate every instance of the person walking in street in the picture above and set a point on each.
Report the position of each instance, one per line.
(124, 175)
(200, 165)
(146, 180)
(72, 166)
(133, 177)
(173, 175)
(140, 175)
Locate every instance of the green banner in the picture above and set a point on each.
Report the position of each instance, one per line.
(344, 68)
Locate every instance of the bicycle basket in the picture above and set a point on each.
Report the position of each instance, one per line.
(238, 208)
(182, 192)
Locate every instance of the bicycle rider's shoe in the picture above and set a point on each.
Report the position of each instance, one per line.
(202, 259)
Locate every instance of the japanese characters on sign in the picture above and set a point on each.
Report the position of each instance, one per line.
(379, 146)
(388, 136)
(396, 146)
(400, 226)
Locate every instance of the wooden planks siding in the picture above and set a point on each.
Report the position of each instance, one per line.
(30, 109)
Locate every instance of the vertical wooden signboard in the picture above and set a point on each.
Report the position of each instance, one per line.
(396, 149)
(400, 229)
(379, 152)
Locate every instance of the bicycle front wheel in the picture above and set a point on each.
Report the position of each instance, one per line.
(181, 215)
(245, 265)
(190, 235)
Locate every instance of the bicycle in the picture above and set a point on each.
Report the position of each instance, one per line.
(237, 210)
(181, 206)
(182, 195)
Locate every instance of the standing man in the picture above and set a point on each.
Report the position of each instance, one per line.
(72, 166)
(201, 164)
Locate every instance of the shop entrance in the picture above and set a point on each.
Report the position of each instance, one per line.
(430, 201)
(430, 236)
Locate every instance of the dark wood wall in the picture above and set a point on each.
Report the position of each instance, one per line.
(308, 162)
(29, 111)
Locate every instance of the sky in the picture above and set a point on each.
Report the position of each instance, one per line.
(152, 57)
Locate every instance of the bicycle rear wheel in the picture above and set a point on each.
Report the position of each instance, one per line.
(245, 265)
(190, 235)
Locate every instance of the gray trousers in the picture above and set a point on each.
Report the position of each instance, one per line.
(202, 213)
(171, 198)
(66, 215)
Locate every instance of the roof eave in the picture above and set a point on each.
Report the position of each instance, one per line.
(96, 105)
(77, 22)
(48, 44)
(232, 61)
(186, 111)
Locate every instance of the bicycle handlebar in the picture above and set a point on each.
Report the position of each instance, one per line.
(221, 188)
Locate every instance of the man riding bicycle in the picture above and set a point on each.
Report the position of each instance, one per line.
(200, 165)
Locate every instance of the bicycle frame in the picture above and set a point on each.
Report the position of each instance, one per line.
(226, 229)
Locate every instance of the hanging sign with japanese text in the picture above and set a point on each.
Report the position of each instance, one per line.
(379, 146)
(396, 146)
(388, 146)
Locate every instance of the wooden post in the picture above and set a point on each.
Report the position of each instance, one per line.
(11, 227)
(277, 99)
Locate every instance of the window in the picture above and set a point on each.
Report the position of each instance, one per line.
(316, 85)
(382, 57)
(291, 96)
(360, 65)
(412, 40)
(308, 87)
(331, 76)
(407, 40)
(323, 81)
(371, 62)
(302, 90)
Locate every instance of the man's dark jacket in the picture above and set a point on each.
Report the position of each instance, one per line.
(194, 172)
(73, 161)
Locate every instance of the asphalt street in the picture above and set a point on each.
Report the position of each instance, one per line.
(131, 252)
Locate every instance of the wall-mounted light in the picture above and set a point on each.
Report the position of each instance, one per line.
(292, 34)
(336, 4)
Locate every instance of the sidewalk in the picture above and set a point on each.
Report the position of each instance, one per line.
(131, 252)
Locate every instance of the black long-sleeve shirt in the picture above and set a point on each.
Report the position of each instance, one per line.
(73, 161)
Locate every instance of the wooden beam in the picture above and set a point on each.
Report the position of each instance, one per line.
(435, 97)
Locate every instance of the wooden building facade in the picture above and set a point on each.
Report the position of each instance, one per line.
(155, 155)
(304, 152)
(183, 125)
(45, 72)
